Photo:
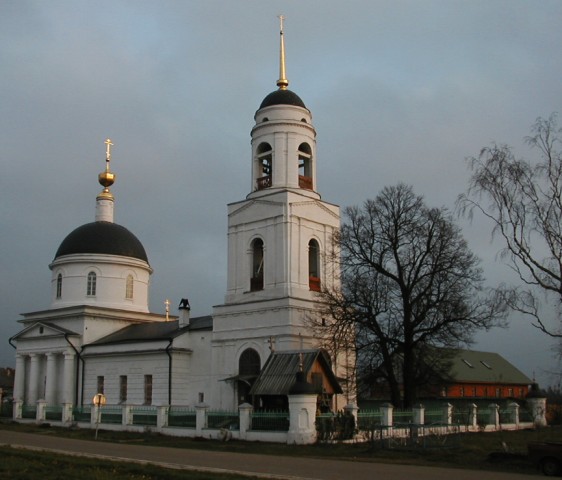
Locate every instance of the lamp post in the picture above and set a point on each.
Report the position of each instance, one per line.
(98, 401)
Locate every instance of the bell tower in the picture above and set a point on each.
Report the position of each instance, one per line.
(279, 237)
(283, 141)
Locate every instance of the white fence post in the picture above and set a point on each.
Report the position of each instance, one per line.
(386, 414)
(17, 409)
(447, 414)
(473, 417)
(201, 410)
(494, 415)
(162, 416)
(419, 414)
(245, 411)
(126, 415)
(514, 413)
(66, 413)
(41, 407)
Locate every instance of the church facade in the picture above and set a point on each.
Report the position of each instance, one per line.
(98, 335)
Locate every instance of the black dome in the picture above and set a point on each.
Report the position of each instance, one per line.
(103, 238)
(282, 97)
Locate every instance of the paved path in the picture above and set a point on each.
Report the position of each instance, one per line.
(264, 466)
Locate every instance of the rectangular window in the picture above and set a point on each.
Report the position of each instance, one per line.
(148, 389)
(100, 387)
(122, 388)
(201, 397)
(59, 285)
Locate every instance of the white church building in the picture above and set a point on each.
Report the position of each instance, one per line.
(99, 336)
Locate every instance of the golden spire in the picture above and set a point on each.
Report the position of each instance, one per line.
(282, 83)
(107, 178)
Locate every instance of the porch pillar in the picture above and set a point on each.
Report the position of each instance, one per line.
(68, 378)
(33, 379)
(51, 380)
(19, 380)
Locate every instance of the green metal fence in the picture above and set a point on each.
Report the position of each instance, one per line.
(273, 421)
(222, 419)
(367, 420)
(6, 409)
(53, 413)
(181, 417)
(483, 416)
(461, 416)
(340, 426)
(144, 415)
(28, 411)
(433, 416)
(402, 417)
(81, 414)
(111, 414)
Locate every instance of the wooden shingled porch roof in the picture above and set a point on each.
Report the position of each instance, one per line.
(279, 372)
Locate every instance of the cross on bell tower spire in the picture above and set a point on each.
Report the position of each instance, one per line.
(282, 83)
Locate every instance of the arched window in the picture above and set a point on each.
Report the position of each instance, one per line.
(91, 289)
(249, 363)
(314, 266)
(256, 282)
(59, 285)
(265, 166)
(129, 287)
(305, 166)
(249, 367)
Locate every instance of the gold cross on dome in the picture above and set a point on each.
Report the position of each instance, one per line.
(281, 18)
(108, 149)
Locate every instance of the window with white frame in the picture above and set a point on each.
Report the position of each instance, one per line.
(91, 288)
(129, 287)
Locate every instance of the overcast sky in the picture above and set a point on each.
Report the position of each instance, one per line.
(400, 91)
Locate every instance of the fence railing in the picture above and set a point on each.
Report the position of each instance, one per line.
(256, 425)
(273, 421)
(53, 413)
(144, 415)
(111, 414)
(29, 411)
(222, 419)
(82, 414)
(6, 409)
(184, 417)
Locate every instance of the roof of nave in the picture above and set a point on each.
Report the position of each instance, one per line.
(146, 332)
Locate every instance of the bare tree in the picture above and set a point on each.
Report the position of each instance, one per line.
(523, 199)
(408, 283)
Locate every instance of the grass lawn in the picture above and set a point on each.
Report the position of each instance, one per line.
(499, 451)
